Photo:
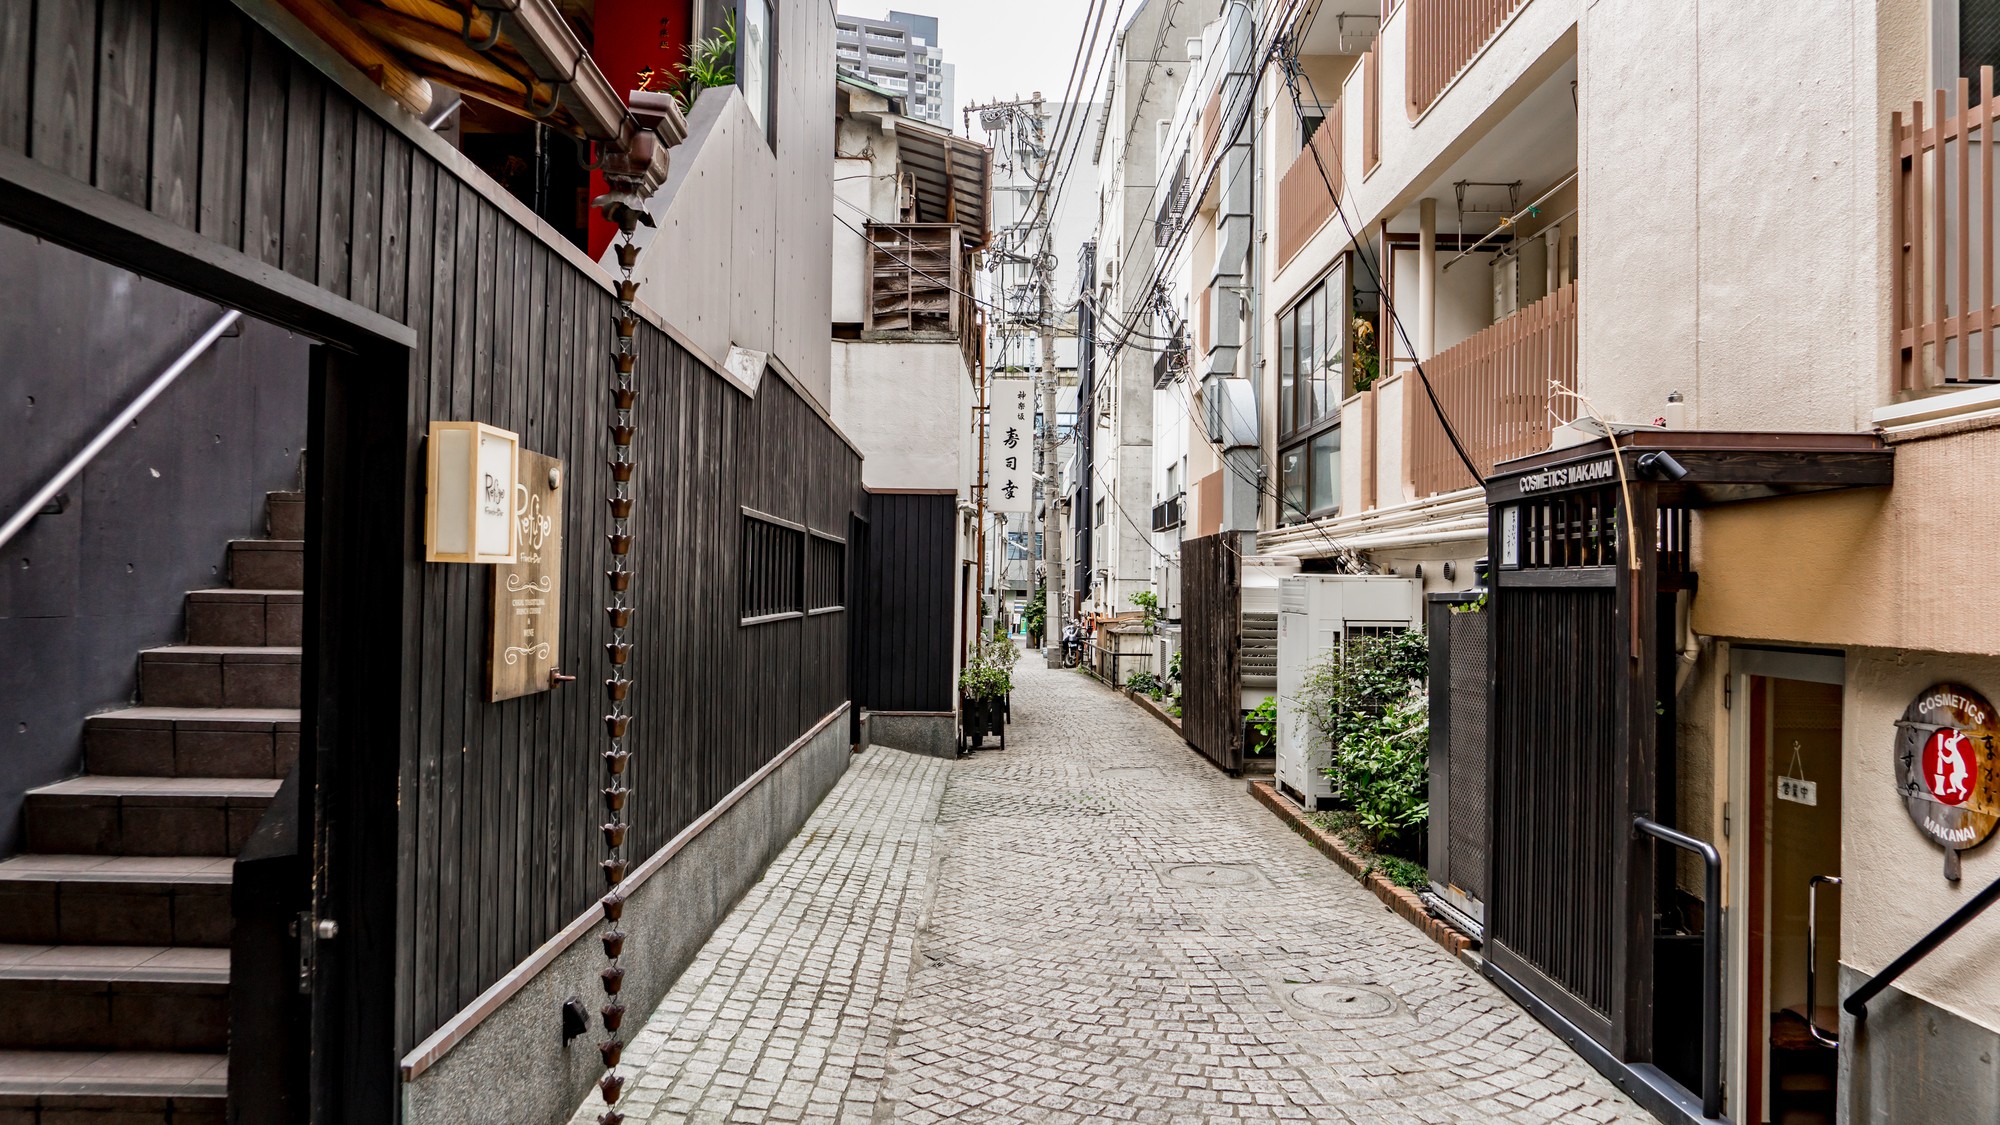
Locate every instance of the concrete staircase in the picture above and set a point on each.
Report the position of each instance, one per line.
(114, 924)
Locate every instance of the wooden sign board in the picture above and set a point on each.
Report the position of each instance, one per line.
(527, 594)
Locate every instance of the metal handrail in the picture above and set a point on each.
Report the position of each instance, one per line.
(1711, 958)
(1857, 1003)
(89, 452)
(1812, 958)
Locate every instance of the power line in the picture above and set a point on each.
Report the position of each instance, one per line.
(1292, 75)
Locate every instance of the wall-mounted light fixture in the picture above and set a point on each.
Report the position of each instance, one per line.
(469, 511)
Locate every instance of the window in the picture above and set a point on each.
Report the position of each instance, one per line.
(1313, 343)
(1966, 36)
(756, 53)
(772, 569)
(826, 573)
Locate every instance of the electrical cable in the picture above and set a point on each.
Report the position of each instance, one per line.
(1293, 72)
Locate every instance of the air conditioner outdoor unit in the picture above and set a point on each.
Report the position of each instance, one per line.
(1317, 613)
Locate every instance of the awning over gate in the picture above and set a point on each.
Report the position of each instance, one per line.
(1697, 468)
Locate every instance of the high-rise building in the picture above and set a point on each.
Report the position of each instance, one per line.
(901, 54)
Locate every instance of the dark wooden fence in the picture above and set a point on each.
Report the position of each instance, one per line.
(904, 659)
(1211, 628)
(216, 152)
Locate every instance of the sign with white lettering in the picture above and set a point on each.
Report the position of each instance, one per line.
(1569, 476)
(1010, 444)
(1948, 767)
(527, 595)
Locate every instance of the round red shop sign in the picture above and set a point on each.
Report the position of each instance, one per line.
(1948, 765)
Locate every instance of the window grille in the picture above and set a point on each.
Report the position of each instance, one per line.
(772, 569)
(826, 573)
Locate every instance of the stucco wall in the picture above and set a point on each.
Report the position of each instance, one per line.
(1766, 311)
(899, 404)
(1894, 567)
(758, 280)
(1894, 890)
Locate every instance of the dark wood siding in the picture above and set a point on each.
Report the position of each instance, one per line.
(195, 112)
(1211, 639)
(905, 622)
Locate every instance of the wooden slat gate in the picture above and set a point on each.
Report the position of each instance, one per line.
(1570, 885)
(1460, 676)
(1211, 624)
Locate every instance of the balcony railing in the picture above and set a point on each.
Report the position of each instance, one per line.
(1443, 37)
(1304, 203)
(1942, 215)
(1167, 513)
(1498, 388)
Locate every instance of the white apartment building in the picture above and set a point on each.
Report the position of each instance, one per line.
(900, 54)
(1675, 319)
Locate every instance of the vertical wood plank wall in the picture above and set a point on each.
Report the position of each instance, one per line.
(193, 111)
(905, 654)
(1211, 642)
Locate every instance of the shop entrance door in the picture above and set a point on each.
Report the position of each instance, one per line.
(1788, 1018)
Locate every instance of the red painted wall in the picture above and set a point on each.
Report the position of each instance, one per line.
(631, 35)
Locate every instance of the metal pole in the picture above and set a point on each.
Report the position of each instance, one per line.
(1857, 1004)
(116, 426)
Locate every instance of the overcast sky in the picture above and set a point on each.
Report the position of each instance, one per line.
(1001, 48)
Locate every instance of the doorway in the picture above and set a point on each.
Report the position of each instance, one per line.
(1790, 786)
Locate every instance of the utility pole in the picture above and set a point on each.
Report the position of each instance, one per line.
(1056, 612)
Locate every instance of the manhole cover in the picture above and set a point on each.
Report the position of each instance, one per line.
(1212, 874)
(1343, 1001)
(1132, 773)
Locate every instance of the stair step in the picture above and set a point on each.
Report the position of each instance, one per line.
(153, 816)
(220, 676)
(244, 617)
(113, 998)
(267, 564)
(192, 742)
(285, 515)
(115, 900)
(125, 1087)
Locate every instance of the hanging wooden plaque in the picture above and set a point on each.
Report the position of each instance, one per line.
(527, 594)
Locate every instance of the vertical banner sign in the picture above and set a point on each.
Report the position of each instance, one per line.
(1010, 445)
(527, 595)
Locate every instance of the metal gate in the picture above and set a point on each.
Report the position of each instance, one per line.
(1460, 674)
(1211, 627)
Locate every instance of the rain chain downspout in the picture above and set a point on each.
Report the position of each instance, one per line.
(617, 723)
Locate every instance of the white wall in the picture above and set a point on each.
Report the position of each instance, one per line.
(899, 404)
(1730, 247)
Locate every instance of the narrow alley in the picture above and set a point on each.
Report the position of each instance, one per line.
(1092, 924)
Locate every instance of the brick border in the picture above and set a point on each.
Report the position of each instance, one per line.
(1399, 899)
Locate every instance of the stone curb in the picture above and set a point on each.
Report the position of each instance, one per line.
(1398, 899)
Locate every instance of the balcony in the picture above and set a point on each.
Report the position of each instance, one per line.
(1304, 201)
(1498, 388)
(918, 283)
(1167, 513)
(1444, 37)
(1942, 212)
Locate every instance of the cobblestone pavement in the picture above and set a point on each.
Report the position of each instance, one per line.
(1114, 931)
(787, 1012)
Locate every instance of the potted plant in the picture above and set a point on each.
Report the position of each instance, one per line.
(983, 686)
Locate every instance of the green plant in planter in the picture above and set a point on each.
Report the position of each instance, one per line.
(711, 62)
(1367, 702)
(988, 672)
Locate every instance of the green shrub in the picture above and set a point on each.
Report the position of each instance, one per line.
(1366, 701)
(987, 673)
(1145, 681)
